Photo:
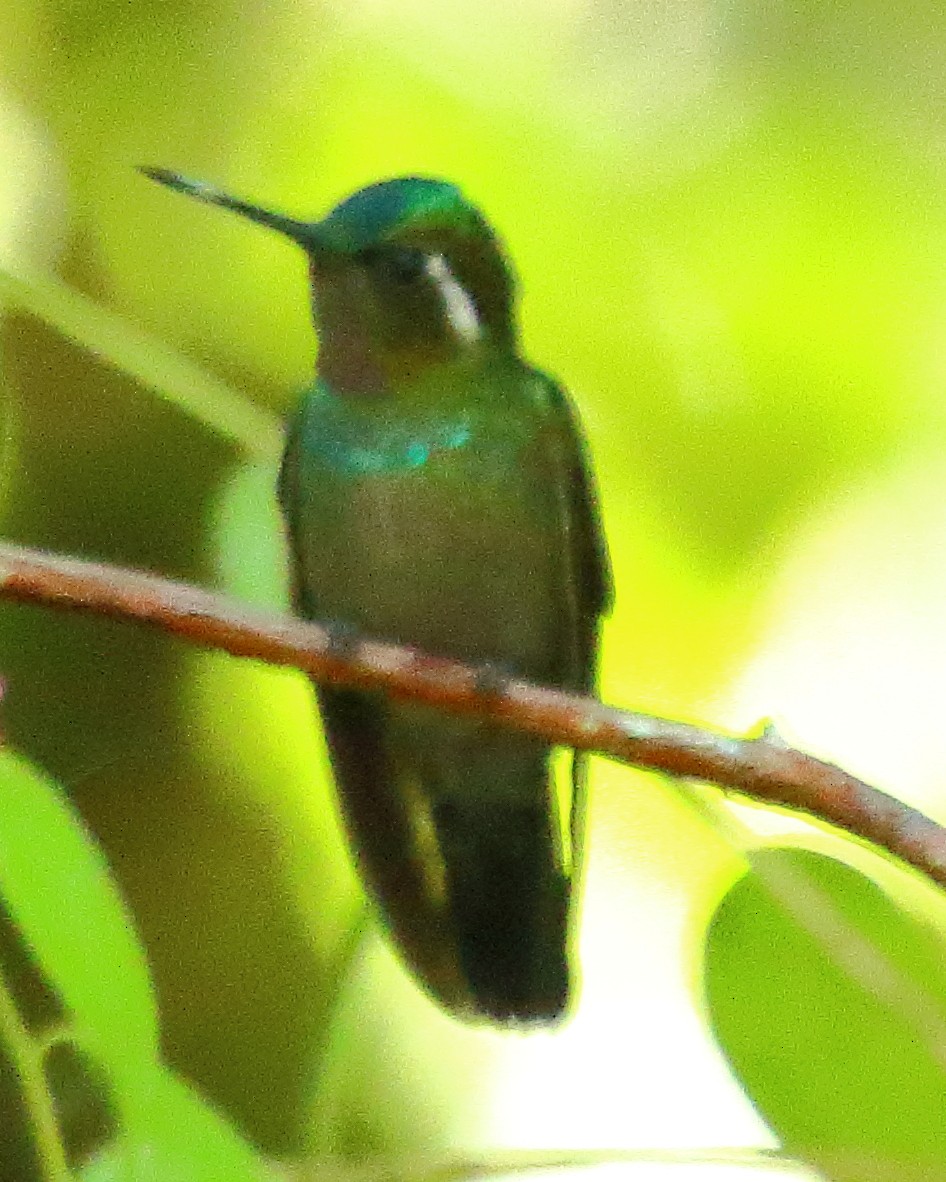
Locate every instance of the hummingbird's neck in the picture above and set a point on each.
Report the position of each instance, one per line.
(351, 363)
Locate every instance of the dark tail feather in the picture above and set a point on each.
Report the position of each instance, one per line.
(509, 902)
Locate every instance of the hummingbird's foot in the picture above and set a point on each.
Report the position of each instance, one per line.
(491, 680)
(343, 638)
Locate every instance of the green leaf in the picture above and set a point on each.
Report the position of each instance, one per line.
(76, 1010)
(81, 1086)
(171, 1135)
(833, 1030)
(57, 889)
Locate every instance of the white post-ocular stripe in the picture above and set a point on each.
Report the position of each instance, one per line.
(460, 309)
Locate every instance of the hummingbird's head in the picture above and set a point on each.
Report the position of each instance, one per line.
(405, 273)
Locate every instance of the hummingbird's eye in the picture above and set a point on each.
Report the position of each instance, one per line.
(402, 264)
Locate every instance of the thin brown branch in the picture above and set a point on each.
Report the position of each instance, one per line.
(762, 767)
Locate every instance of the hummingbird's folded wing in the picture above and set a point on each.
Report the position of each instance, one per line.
(587, 580)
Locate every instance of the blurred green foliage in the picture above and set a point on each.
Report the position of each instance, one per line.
(81, 1084)
(730, 223)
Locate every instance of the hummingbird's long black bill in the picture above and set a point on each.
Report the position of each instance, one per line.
(302, 232)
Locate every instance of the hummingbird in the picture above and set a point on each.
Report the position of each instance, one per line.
(437, 493)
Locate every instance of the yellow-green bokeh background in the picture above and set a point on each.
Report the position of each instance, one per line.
(730, 225)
